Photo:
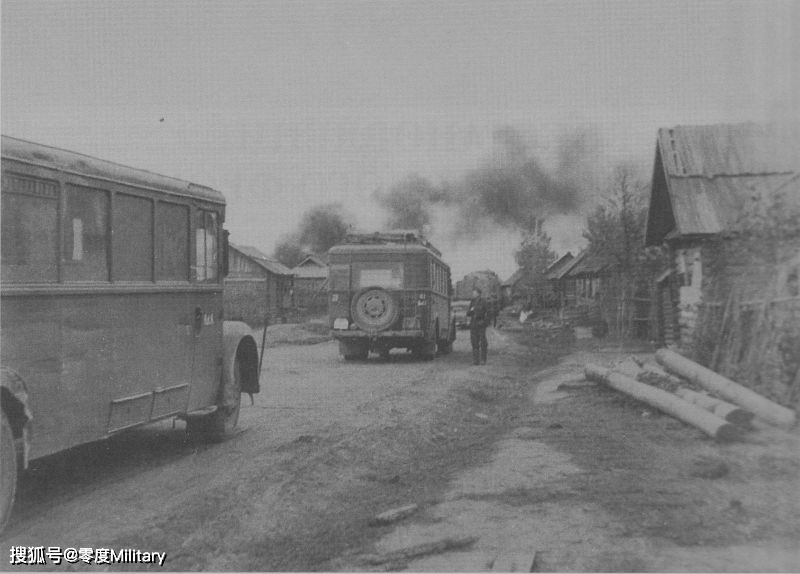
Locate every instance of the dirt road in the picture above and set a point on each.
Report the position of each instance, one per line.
(521, 454)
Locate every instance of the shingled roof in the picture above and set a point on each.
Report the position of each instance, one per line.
(704, 175)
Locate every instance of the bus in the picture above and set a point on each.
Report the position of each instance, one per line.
(111, 293)
(389, 290)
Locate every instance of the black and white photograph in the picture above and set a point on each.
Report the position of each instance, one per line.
(400, 285)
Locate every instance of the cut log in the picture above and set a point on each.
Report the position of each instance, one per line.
(707, 422)
(727, 389)
(658, 371)
(722, 409)
(629, 367)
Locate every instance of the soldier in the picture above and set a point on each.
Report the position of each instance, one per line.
(479, 320)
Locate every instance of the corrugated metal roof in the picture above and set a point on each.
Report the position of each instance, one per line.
(713, 171)
(73, 162)
(703, 206)
(730, 149)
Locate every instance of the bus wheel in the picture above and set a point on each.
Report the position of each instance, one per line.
(8, 471)
(221, 424)
(224, 421)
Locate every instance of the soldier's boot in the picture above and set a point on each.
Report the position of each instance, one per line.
(476, 357)
(484, 352)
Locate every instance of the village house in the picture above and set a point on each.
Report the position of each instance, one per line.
(724, 202)
(257, 288)
(514, 288)
(310, 281)
(583, 278)
(510, 288)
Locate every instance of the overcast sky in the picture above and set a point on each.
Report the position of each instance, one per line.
(284, 105)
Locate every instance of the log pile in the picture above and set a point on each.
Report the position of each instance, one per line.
(676, 389)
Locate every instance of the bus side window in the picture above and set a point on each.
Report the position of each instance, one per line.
(29, 230)
(133, 238)
(172, 242)
(206, 246)
(86, 234)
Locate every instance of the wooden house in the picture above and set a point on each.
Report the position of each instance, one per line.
(310, 280)
(257, 287)
(721, 199)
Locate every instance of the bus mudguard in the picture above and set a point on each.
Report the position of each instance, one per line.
(14, 401)
(239, 344)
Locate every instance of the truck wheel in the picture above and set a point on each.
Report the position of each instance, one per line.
(8, 471)
(426, 350)
(355, 351)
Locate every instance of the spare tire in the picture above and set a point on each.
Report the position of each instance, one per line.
(374, 309)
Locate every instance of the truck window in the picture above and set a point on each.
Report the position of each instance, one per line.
(386, 275)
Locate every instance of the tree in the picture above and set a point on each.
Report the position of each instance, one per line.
(534, 256)
(322, 227)
(289, 251)
(616, 230)
(616, 227)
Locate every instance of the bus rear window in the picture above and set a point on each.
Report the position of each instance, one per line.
(29, 231)
(86, 235)
(206, 267)
(172, 239)
(133, 238)
(387, 275)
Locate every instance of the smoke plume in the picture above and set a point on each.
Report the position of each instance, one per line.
(512, 189)
(320, 228)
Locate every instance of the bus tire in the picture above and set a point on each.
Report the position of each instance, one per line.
(8, 471)
(225, 419)
(222, 423)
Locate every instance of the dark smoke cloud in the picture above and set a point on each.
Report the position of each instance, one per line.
(513, 190)
(321, 227)
(408, 202)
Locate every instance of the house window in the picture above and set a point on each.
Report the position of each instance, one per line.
(85, 251)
